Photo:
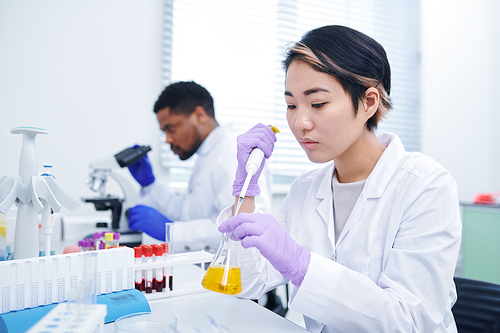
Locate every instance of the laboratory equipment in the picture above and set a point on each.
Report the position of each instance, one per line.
(33, 194)
(140, 284)
(253, 164)
(141, 266)
(148, 253)
(101, 170)
(169, 251)
(158, 274)
(47, 280)
(146, 322)
(132, 155)
(3, 237)
(223, 274)
(108, 240)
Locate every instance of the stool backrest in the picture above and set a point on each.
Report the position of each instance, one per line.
(478, 306)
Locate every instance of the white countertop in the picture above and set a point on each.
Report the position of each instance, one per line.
(234, 314)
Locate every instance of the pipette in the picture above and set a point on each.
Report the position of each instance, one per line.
(253, 164)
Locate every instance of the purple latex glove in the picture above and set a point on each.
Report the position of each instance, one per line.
(268, 236)
(142, 171)
(148, 220)
(260, 136)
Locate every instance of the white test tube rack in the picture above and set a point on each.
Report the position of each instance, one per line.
(175, 260)
(32, 282)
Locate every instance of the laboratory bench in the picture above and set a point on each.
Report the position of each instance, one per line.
(194, 310)
(235, 315)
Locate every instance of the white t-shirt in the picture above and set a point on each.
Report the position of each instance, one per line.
(345, 196)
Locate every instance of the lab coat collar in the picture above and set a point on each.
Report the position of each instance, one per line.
(386, 166)
(375, 184)
(325, 196)
(379, 177)
(211, 139)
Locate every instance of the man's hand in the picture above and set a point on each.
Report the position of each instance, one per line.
(148, 220)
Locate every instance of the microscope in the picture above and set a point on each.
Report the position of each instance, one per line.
(101, 172)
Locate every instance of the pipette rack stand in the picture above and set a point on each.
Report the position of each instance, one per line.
(176, 260)
(32, 282)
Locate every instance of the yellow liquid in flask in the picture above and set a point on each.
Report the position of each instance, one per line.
(214, 276)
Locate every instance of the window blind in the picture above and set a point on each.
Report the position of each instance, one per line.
(235, 49)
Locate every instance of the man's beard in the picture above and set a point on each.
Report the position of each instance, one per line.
(184, 155)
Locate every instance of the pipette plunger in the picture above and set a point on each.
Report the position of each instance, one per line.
(253, 164)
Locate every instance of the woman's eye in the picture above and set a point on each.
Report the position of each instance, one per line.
(318, 105)
(290, 106)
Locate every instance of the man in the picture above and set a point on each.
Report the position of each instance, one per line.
(185, 112)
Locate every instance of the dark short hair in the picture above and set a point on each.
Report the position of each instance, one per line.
(183, 97)
(354, 59)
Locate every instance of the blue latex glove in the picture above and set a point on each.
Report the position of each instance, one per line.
(268, 236)
(260, 136)
(142, 171)
(148, 220)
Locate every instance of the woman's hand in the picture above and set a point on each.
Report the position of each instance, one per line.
(262, 137)
(269, 237)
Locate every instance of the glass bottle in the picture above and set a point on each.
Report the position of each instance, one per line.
(223, 274)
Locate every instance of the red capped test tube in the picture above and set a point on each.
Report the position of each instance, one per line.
(159, 270)
(148, 253)
(139, 274)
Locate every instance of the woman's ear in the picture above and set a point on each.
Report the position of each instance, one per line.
(372, 100)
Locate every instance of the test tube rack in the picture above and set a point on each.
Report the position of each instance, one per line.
(175, 260)
(32, 282)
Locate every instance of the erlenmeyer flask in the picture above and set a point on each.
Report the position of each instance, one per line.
(223, 275)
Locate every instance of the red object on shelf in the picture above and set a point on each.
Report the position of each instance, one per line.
(491, 198)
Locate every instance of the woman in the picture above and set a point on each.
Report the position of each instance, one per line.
(370, 241)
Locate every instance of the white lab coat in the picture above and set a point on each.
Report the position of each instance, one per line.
(209, 191)
(392, 268)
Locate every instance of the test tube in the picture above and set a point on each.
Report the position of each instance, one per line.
(97, 240)
(117, 239)
(90, 244)
(164, 258)
(159, 270)
(89, 278)
(3, 237)
(154, 259)
(169, 234)
(108, 240)
(139, 274)
(3, 243)
(148, 253)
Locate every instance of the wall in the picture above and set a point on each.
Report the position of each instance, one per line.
(86, 71)
(460, 52)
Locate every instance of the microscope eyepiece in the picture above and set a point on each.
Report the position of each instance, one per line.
(131, 155)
